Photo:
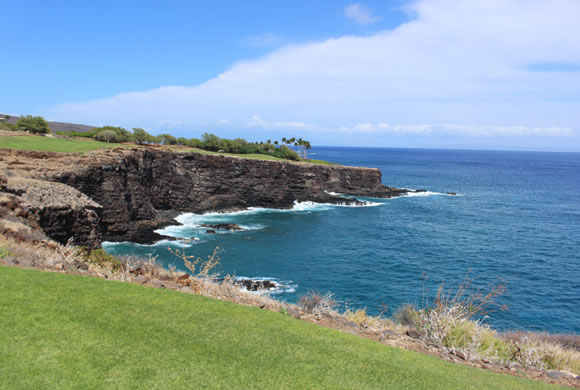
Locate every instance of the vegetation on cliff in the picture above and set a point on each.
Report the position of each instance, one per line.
(49, 144)
(294, 149)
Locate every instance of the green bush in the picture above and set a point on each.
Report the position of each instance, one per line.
(102, 258)
(106, 136)
(34, 124)
(4, 253)
(99, 257)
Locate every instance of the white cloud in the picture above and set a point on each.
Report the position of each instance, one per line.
(259, 122)
(455, 62)
(360, 14)
(470, 130)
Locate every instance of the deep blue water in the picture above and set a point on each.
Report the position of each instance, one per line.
(518, 218)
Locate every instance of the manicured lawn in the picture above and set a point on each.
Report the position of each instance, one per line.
(319, 162)
(258, 156)
(61, 331)
(253, 156)
(49, 144)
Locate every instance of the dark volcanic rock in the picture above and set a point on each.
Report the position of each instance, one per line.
(223, 226)
(210, 231)
(256, 285)
(125, 194)
(413, 333)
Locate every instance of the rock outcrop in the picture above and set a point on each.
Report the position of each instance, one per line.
(124, 194)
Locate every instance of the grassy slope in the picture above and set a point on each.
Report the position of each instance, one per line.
(253, 156)
(64, 331)
(49, 144)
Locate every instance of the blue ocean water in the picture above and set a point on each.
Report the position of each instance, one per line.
(517, 217)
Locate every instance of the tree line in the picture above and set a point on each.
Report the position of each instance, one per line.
(288, 148)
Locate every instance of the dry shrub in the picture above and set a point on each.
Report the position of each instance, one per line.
(455, 320)
(20, 231)
(200, 268)
(361, 318)
(566, 341)
(407, 315)
(316, 303)
(542, 350)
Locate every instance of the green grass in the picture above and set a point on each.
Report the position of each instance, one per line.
(257, 156)
(61, 145)
(322, 162)
(49, 144)
(63, 331)
(252, 156)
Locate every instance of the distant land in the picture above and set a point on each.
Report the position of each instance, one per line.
(58, 126)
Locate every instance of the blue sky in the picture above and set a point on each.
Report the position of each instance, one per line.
(499, 74)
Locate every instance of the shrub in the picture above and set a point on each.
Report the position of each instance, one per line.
(4, 253)
(211, 142)
(407, 315)
(100, 258)
(34, 124)
(140, 136)
(203, 269)
(316, 303)
(193, 143)
(106, 136)
(167, 139)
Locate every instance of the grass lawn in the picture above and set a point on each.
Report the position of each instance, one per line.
(253, 156)
(258, 156)
(63, 331)
(49, 144)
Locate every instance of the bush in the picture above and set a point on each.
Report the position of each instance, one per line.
(34, 124)
(141, 137)
(167, 139)
(4, 253)
(106, 136)
(316, 303)
(88, 134)
(100, 258)
(8, 126)
(211, 142)
(407, 315)
(285, 153)
(194, 143)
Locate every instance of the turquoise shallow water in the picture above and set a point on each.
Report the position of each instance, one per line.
(517, 217)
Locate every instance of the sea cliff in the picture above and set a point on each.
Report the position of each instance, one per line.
(124, 194)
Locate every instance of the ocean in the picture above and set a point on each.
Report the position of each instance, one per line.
(516, 218)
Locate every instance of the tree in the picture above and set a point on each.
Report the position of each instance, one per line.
(106, 136)
(167, 139)
(141, 136)
(123, 135)
(210, 142)
(194, 143)
(34, 124)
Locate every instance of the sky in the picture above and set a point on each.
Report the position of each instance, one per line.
(478, 74)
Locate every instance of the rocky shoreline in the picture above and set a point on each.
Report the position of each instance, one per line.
(125, 194)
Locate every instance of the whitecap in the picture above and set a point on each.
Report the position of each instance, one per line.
(179, 243)
(426, 193)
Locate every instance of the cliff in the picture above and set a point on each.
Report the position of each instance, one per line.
(124, 194)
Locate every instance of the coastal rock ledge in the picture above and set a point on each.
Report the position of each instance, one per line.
(125, 194)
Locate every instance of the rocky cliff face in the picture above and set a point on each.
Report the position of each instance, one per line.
(136, 190)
